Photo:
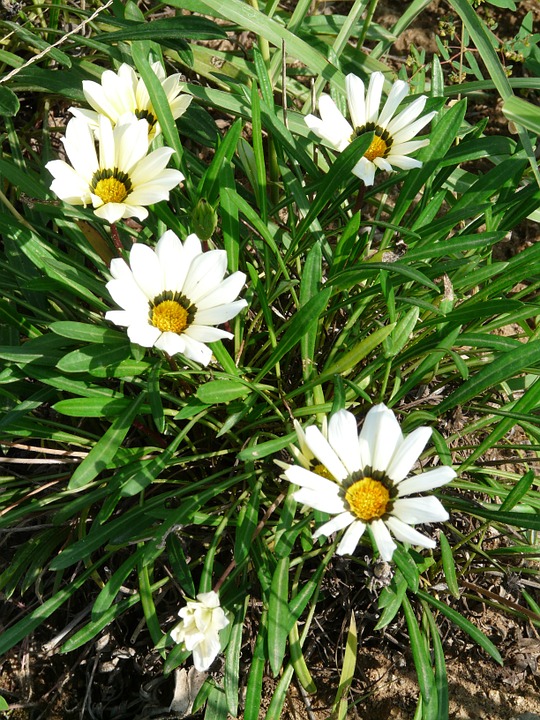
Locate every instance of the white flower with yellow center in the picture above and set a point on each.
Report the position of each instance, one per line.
(393, 139)
(119, 179)
(362, 481)
(173, 296)
(202, 619)
(124, 92)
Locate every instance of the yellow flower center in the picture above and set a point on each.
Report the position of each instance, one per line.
(368, 499)
(112, 186)
(378, 148)
(170, 316)
(323, 472)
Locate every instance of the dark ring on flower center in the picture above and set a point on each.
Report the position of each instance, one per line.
(150, 118)
(182, 300)
(114, 174)
(384, 135)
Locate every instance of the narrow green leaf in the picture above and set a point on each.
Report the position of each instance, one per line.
(361, 350)
(449, 566)
(9, 103)
(105, 449)
(441, 678)
(523, 113)
(347, 671)
(232, 660)
(87, 333)
(93, 357)
(502, 368)
(424, 671)
(278, 610)
(297, 327)
(221, 391)
(518, 491)
(299, 663)
(254, 693)
(179, 566)
(458, 619)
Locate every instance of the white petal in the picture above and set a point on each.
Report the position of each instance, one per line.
(322, 450)
(112, 212)
(219, 314)
(224, 293)
(334, 128)
(123, 318)
(151, 167)
(143, 334)
(170, 253)
(317, 501)
(356, 97)
(365, 170)
(343, 438)
(171, 343)
(407, 115)
(405, 533)
(383, 540)
(403, 162)
(206, 652)
(419, 510)
(131, 142)
(107, 150)
(399, 91)
(307, 479)
(204, 333)
(147, 270)
(350, 539)
(126, 293)
(406, 148)
(68, 184)
(206, 273)
(335, 524)
(197, 351)
(382, 164)
(379, 438)
(426, 481)
(409, 131)
(407, 453)
(80, 148)
(373, 97)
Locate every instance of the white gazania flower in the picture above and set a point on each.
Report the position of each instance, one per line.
(202, 619)
(393, 140)
(124, 92)
(118, 180)
(173, 295)
(362, 481)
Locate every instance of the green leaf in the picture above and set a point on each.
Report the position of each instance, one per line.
(458, 619)
(222, 391)
(9, 103)
(449, 566)
(523, 113)
(179, 566)
(254, 691)
(422, 663)
(347, 672)
(106, 447)
(518, 491)
(93, 357)
(278, 613)
(180, 27)
(87, 333)
(502, 368)
(232, 660)
(297, 327)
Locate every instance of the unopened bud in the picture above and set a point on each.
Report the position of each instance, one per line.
(203, 219)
